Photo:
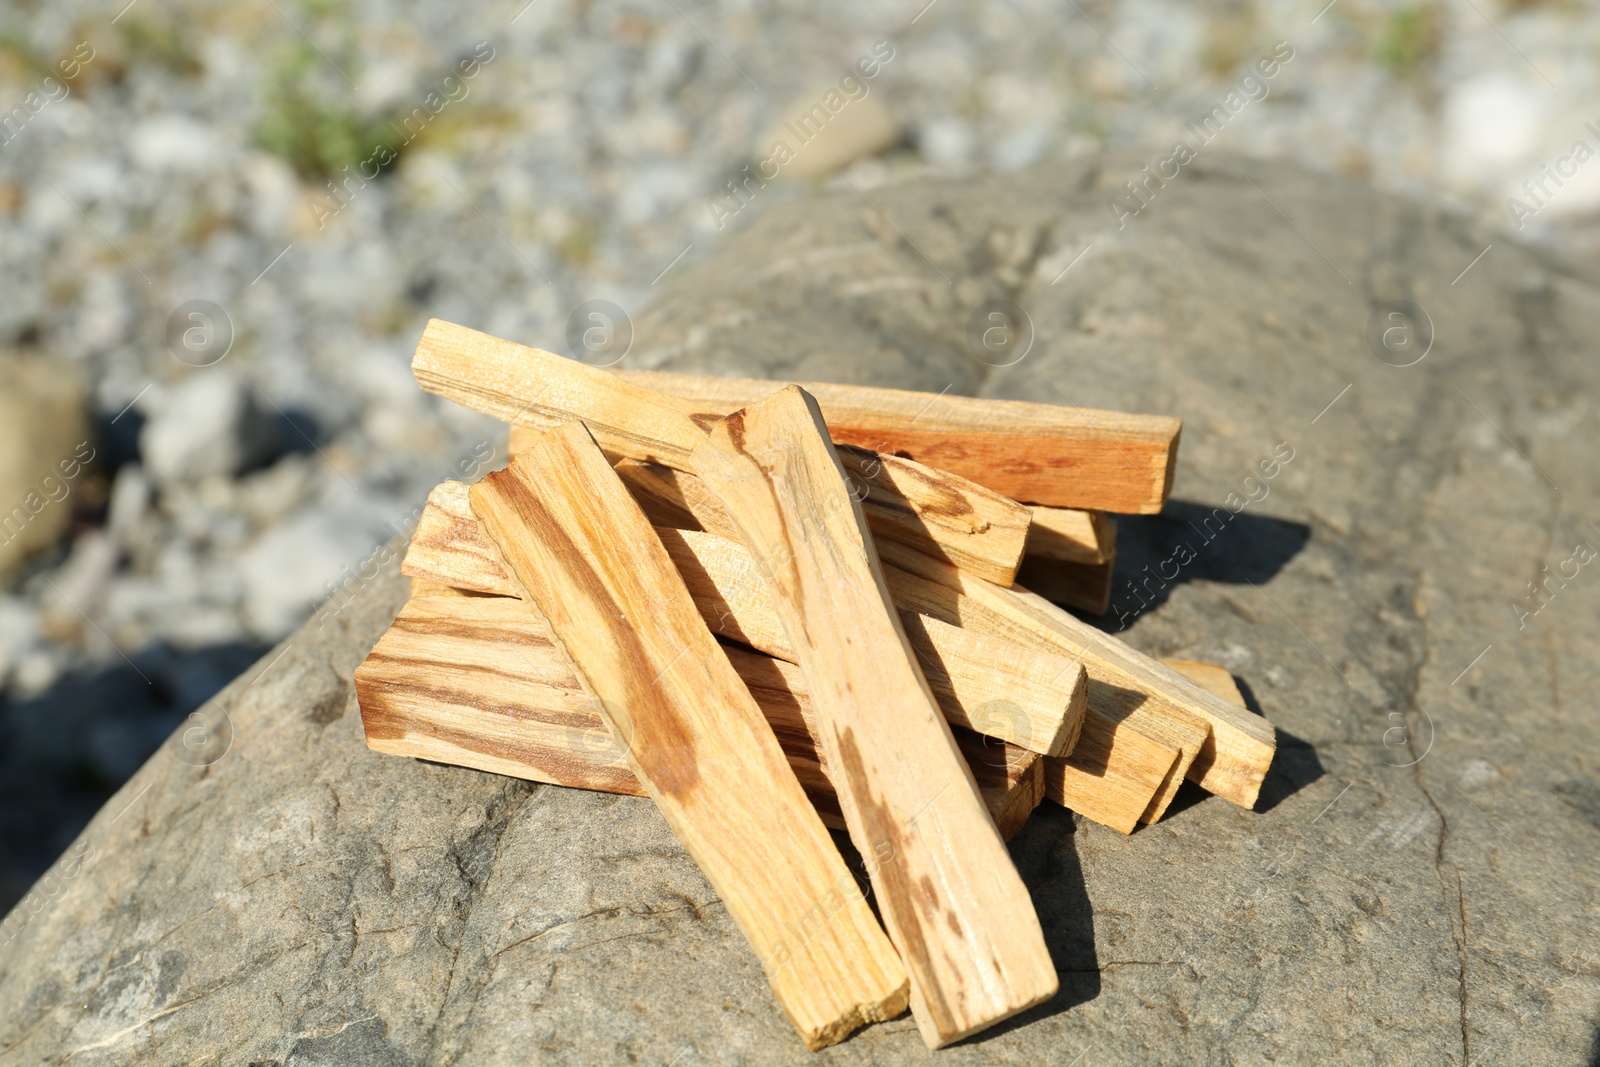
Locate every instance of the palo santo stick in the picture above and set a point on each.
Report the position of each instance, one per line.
(1069, 558)
(1085, 586)
(1035, 700)
(931, 511)
(1041, 453)
(1010, 779)
(476, 681)
(1209, 676)
(998, 688)
(530, 387)
(1113, 776)
(947, 517)
(1071, 536)
(569, 532)
(1123, 682)
(950, 897)
(940, 513)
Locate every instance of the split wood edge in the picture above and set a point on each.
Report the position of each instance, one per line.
(946, 516)
(1033, 699)
(1124, 684)
(476, 681)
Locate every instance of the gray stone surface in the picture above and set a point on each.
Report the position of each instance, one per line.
(1420, 883)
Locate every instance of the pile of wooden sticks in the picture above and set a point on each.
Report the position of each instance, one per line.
(776, 609)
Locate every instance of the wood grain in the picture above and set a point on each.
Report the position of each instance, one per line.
(1118, 773)
(1113, 776)
(942, 513)
(449, 547)
(1070, 557)
(1209, 676)
(1039, 453)
(948, 517)
(1125, 685)
(1085, 586)
(692, 734)
(950, 897)
(1032, 699)
(1071, 535)
(476, 681)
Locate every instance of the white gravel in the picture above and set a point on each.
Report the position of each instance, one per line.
(581, 159)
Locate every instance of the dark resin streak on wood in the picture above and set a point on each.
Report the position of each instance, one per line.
(658, 740)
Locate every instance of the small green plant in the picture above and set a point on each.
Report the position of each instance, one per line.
(152, 43)
(1410, 39)
(311, 127)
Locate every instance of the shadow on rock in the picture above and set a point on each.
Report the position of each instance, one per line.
(64, 752)
(1189, 542)
(1295, 765)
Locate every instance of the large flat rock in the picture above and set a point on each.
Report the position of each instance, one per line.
(1419, 886)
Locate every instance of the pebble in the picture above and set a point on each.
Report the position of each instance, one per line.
(19, 630)
(293, 568)
(828, 130)
(207, 425)
(44, 436)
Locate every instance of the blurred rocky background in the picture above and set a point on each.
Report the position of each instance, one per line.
(222, 226)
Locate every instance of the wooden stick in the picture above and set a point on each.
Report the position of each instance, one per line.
(950, 897)
(947, 517)
(530, 387)
(1085, 586)
(1124, 684)
(1041, 453)
(941, 513)
(1071, 536)
(1070, 556)
(1035, 700)
(476, 681)
(1209, 676)
(1010, 779)
(692, 734)
(1113, 776)
(1115, 780)
(1032, 699)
